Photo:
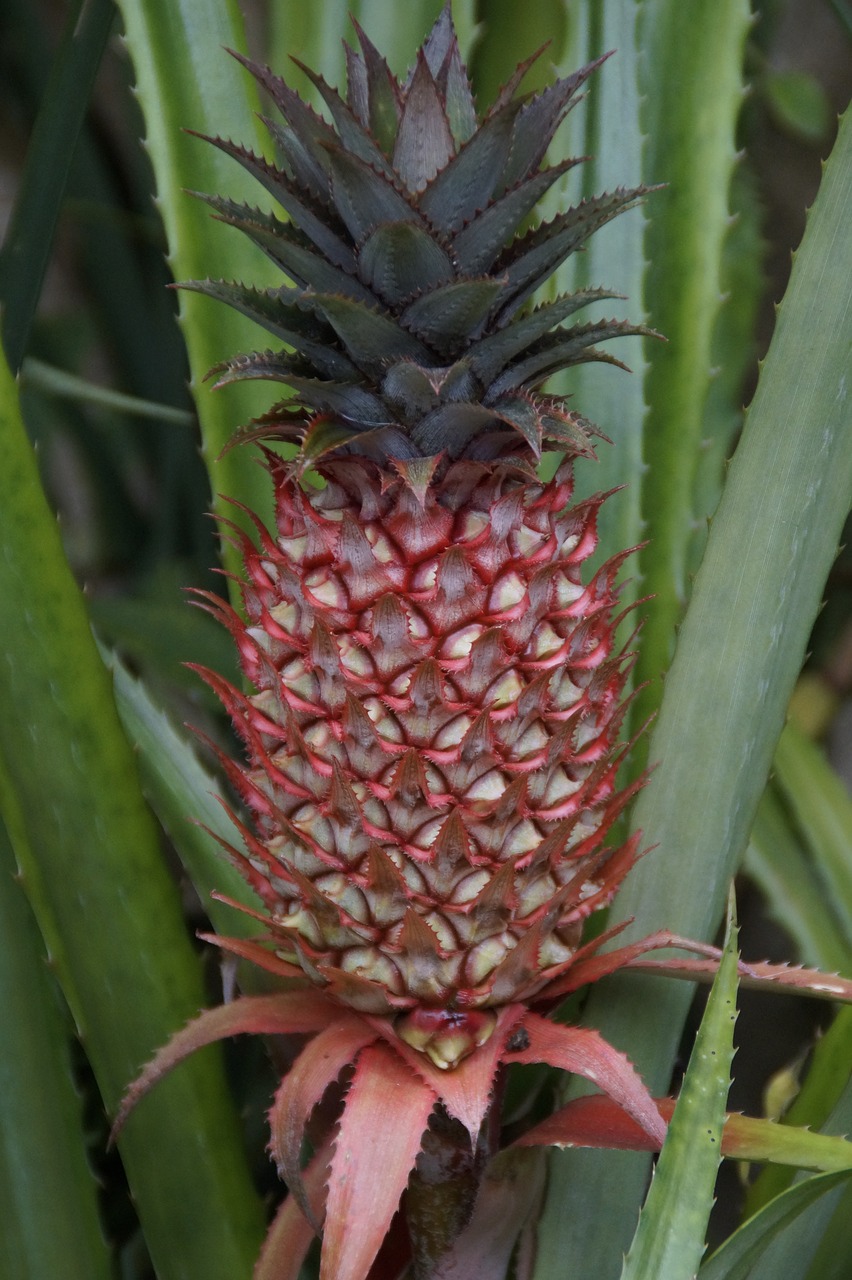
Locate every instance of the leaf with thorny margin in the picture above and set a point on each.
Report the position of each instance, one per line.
(291, 1012)
(753, 974)
(381, 1129)
(291, 1234)
(314, 1071)
(598, 1122)
(585, 1053)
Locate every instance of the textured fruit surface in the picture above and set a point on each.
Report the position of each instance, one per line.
(432, 736)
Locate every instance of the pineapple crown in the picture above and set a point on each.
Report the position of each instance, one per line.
(407, 325)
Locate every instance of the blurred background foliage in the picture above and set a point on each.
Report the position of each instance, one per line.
(104, 381)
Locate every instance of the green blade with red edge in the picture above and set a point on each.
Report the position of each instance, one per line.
(51, 1225)
(186, 80)
(108, 910)
(771, 545)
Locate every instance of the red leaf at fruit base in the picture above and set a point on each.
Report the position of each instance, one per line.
(381, 1129)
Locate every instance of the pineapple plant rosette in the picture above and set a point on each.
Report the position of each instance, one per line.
(432, 735)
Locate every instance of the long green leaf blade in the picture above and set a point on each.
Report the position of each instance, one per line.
(188, 800)
(741, 1252)
(50, 1211)
(670, 1239)
(794, 895)
(107, 908)
(186, 80)
(606, 127)
(822, 809)
(692, 57)
(29, 238)
(758, 590)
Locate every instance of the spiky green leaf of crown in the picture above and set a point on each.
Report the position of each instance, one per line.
(406, 315)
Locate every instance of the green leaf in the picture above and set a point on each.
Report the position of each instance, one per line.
(50, 1212)
(185, 80)
(822, 809)
(799, 103)
(740, 1257)
(29, 238)
(794, 895)
(691, 147)
(670, 1239)
(607, 126)
(400, 259)
(822, 1090)
(186, 798)
(107, 907)
(739, 652)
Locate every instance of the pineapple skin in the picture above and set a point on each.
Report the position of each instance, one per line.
(432, 744)
(432, 740)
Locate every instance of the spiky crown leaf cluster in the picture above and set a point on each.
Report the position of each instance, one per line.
(406, 317)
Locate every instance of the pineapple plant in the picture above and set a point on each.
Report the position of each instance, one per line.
(436, 692)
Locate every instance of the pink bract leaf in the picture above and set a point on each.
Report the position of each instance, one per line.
(594, 1121)
(592, 967)
(317, 1066)
(290, 1235)
(286, 1013)
(465, 1091)
(787, 979)
(757, 974)
(599, 1122)
(380, 1133)
(256, 954)
(585, 1053)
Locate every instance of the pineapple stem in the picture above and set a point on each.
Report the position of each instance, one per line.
(442, 1189)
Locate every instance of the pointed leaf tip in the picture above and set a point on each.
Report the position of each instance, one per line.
(385, 1115)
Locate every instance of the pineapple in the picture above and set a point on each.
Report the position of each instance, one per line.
(432, 731)
(432, 740)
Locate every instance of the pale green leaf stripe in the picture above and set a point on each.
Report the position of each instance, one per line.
(103, 898)
(692, 79)
(186, 80)
(822, 809)
(741, 1252)
(606, 127)
(769, 551)
(50, 1211)
(58, 382)
(671, 1236)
